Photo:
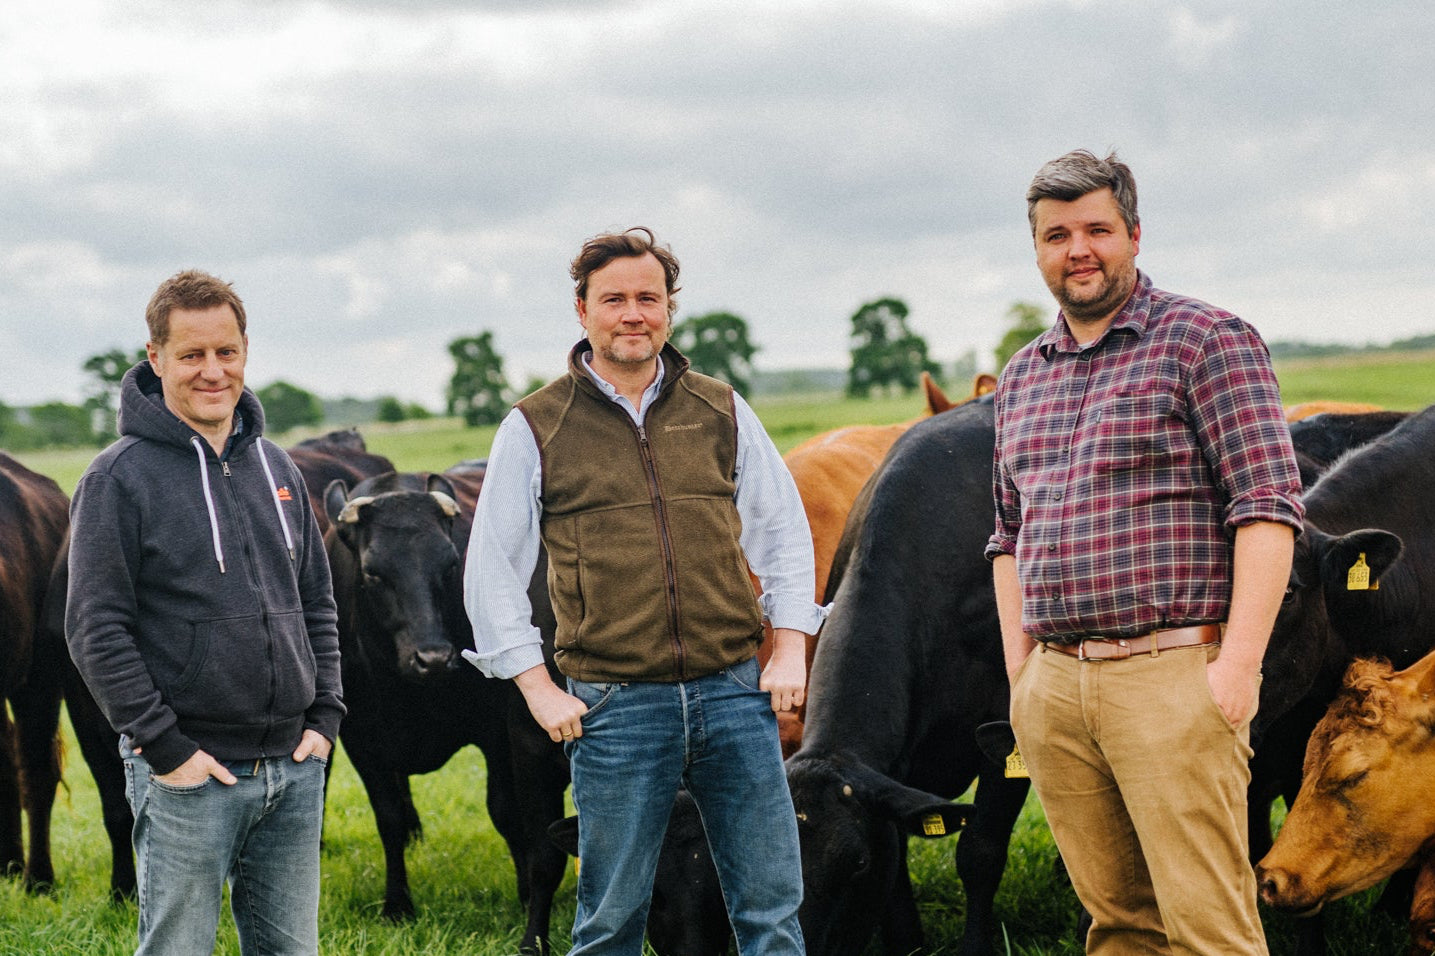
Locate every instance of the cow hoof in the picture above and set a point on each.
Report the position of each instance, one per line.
(399, 911)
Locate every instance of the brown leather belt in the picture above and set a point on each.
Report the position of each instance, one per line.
(1120, 648)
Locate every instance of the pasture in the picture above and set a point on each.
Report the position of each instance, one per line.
(461, 875)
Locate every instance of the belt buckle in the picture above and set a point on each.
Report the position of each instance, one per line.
(1121, 649)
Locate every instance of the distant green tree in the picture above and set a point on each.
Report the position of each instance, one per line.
(717, 344)
(289, 406)
(478, 389)
(1027, 321)
(106, 371)
(414, 410)
(885, 353)
(58, 423)
(390, 410)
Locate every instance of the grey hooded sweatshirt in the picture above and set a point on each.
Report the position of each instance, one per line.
(200, 610)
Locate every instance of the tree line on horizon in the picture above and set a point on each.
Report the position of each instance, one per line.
(886, 356)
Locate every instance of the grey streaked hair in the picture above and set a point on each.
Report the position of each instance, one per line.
(1079, 172)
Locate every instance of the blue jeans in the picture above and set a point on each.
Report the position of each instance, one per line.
(261, 835)
(718, 736)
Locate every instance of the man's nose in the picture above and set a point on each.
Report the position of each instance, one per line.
(213, 368)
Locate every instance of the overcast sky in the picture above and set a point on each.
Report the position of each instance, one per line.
(377, 178)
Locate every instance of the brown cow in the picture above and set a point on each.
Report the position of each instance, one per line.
(1422, 910)
(1295, 413)
(829, 470)
(34, 514)
(1361, 814)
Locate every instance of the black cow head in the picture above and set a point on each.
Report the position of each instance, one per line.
(1318, 610)
(398, 580)
(687, 917)
(854, 823)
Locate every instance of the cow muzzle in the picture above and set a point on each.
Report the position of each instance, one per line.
(1284, 890)
(432, 661)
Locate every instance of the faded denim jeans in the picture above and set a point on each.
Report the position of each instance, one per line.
(261, 835)
(718, 736)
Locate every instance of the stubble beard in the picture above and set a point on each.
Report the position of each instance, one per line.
(1103, 302)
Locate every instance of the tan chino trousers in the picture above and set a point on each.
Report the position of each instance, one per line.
(1143, 782)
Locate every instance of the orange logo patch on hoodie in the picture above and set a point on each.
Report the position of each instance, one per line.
(284, 494)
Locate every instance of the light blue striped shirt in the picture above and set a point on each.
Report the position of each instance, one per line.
(504, 546)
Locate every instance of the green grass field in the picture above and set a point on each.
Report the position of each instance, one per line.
(462, 880)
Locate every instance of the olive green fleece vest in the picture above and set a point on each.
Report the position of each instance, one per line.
(644, 568)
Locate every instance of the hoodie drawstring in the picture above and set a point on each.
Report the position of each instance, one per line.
(274, 490)
(213, 515)
(209, 502)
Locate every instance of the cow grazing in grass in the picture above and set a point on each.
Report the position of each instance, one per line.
(909, 665)
(34, 514)
(1366, 807)
(396, 549)
(1362, 566)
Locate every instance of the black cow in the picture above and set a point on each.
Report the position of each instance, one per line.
(909, 665)
(338, 454)
(396, 551)
(1321, 439)
(1373, 510)
(34, 514)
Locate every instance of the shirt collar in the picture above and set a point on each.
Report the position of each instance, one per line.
(649, 393)
(1134, 318)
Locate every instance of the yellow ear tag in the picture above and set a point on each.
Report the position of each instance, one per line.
(577, 866)
(1358, 579)
(934, 825)
(1015, 766)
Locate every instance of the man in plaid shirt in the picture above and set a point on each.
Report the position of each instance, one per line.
(1147, 502)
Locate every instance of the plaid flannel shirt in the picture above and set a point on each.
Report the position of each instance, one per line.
(1122, 469)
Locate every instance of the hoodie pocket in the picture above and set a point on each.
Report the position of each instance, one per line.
(239, 668)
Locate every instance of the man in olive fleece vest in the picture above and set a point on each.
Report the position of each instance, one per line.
(654, 489)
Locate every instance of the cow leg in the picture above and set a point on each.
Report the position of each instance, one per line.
(99, 745)
(12, 849)
(981, 853)
(37, 727)
(901, 923)
(541, 775)
(394, 814)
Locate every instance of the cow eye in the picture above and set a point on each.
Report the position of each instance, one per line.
(1354, 780)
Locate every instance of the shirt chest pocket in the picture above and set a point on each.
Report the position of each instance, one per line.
(1135, 430)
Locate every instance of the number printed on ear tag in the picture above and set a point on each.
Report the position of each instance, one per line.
(1358, 578)
(1015, 765)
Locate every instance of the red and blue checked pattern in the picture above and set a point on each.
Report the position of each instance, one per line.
(1123, 469)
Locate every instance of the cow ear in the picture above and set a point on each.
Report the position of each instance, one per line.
(935, 820)
(564, 835)
(915, 812)
(1381, 549)
(442, 485)
(996, 741)
(336, 495)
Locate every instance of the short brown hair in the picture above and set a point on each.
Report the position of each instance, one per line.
(1068, 178)
(630, 243)
(190, 289)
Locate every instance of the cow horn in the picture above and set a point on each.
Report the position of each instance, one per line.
(350, 514)
(449, 506)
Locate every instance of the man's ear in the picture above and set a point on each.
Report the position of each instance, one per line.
(1136, 240)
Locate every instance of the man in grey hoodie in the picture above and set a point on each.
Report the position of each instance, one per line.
(201, 616)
